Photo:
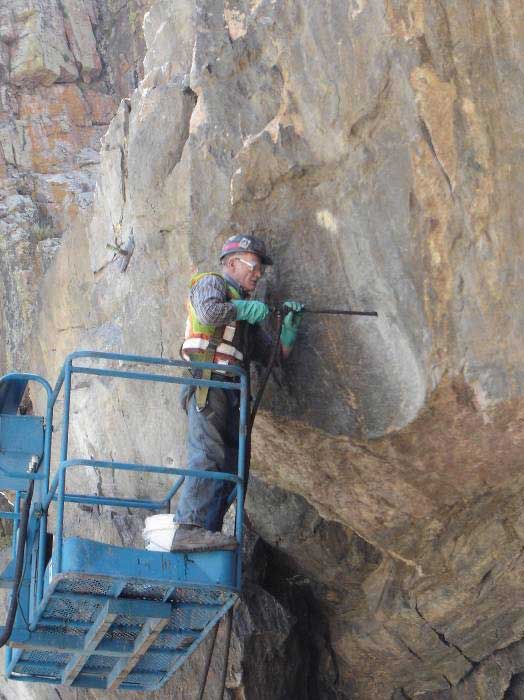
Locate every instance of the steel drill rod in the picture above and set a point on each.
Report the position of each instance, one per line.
(343, 312)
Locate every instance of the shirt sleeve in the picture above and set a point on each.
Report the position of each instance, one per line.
(208, 298)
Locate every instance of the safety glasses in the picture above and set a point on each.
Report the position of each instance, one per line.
(253, 266)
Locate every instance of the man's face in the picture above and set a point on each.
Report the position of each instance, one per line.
(246, 269)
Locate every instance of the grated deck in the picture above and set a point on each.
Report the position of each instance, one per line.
(108, 630)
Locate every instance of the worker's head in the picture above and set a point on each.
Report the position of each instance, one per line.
(244, 259)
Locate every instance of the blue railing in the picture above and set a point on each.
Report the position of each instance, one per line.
(56, 490)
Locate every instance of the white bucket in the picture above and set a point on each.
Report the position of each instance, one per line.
(158, 532)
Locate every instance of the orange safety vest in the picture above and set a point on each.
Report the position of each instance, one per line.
(222, 345)
(206, 343)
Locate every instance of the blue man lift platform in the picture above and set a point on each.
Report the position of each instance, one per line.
(95, 615)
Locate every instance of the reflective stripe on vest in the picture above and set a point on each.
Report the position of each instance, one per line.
(199, 336)
(193, 344)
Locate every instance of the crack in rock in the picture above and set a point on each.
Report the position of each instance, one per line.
(443, 639)
(427, 136)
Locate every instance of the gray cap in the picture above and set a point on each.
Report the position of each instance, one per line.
(246, 244)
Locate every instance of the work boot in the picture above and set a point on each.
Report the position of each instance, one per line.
(192, 538)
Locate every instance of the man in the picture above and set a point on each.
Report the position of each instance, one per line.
(222, 327)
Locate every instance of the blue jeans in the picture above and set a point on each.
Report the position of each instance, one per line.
(212, 445)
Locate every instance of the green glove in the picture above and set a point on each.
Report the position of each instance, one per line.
(291, 322)
(251, 311)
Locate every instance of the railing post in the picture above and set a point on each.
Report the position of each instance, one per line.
(43, 492)
(9, 651)
(47, 441)
(59, 534)
(42, 537)
(16, 523)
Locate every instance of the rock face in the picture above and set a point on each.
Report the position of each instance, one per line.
(61, 77)
(376, 147)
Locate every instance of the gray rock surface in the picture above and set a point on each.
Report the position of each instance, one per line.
(62, 74)
(376, 148)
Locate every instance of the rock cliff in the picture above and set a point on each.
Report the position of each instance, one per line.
(376, 146)
(63, 68)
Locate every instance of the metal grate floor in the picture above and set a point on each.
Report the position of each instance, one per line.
(107, 630)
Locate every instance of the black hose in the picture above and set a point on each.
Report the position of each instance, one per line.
(19, 566)
(272, 360)
(256, 403)
(275, 350)
(208, 662)
(229, 627)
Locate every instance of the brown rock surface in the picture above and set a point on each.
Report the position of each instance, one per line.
(59, 88)
(377, 147)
